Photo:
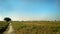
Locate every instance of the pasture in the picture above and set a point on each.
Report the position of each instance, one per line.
(36, 27)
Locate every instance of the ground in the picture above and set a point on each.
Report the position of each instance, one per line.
(36, 27)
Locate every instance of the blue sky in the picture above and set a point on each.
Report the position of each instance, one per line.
(30, 9)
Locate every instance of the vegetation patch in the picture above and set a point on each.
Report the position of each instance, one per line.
(36, 27)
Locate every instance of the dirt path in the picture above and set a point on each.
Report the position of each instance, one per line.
(9, 30)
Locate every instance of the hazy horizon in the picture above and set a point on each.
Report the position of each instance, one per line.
(19, 10)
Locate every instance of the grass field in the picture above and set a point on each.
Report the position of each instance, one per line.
(33, 27)
(36, 27)
(3, 26)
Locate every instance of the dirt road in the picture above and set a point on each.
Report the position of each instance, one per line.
(9, 30)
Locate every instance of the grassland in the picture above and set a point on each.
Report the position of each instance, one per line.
(36, 27)
(33, 27)
(3, 26)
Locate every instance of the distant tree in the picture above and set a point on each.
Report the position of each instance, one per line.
(7, 19)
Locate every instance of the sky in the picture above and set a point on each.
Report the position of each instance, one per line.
(19, 10)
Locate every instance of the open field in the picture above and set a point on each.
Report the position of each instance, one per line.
(36, 27)
(3, 26)
(32, 27)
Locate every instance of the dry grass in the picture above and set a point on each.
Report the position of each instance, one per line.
(36, 27)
